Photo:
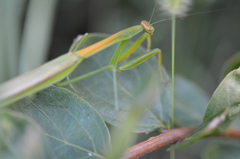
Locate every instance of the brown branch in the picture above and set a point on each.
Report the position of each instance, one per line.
(167, 138)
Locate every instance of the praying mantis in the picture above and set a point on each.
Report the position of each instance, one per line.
(56, 70)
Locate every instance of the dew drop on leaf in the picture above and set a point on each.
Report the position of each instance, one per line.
(89, 154)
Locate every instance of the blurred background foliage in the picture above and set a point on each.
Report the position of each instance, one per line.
(35, 31)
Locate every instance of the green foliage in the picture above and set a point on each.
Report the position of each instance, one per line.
(203, 44)
(191, 103)
(73, 127)
(225, 96)
(21, 138)
(124, 137)
(222, 110)
(66, 119)
(70, 121)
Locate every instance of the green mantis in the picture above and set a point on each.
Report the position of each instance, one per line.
(54, 71)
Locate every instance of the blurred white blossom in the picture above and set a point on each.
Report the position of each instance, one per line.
(175, 7)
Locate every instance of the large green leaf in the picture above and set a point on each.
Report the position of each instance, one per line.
(190, 103)
(98, 89)
(21, 138)
(223, 108)
(74, 128)
(227, 95)
(124, 137)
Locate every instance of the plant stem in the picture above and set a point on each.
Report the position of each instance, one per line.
(115, 90)
(168, 138)
(172, 152)
(173, 60)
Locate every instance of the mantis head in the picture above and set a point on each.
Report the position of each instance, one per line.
(147, 27)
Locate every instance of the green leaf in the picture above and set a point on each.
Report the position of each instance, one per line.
(21, 138)
(98, 89)
(190, 103)
(124, 137)
(223, 108)
(74, 128)
(225, 96)
(215, 126)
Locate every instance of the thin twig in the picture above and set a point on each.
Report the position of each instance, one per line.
(167, 138)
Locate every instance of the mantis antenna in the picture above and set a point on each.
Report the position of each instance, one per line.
(152, 13)
(191, 14)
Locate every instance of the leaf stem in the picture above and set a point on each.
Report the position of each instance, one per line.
(173, 60)
(115, 90)
(172, 152)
